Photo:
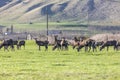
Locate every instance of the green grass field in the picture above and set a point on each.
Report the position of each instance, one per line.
(42, 25)
(71, 27)
(31, 64)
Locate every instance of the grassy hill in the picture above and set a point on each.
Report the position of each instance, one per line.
(99, 11)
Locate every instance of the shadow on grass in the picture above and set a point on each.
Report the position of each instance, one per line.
(96, 54)
(59, 64)
(5, 74)
(66, 54)
(115, 64)
(29, 70)
(6, 56)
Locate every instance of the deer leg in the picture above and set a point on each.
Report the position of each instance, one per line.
(115, 47)
(89, 48)
(66, 47)
(78, 49)
(17, 47)
(6, 48)
(12, 48)
(86, 48)
(54, 47)
(46, 47)
(24, 46)
(39, 48)
(107, 48)
(94, 48)
(74, 47)
(59, 47)
(62, 47)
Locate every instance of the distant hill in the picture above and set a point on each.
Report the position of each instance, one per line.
(4, 2)
(97, 11)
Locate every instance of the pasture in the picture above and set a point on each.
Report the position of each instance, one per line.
(32, 64)
(65, 27)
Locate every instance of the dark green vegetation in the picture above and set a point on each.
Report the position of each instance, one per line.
(32, 64)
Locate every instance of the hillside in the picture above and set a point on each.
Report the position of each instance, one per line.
(79, 11)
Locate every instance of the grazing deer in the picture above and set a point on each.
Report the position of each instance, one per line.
(42, 43)
(60, 44)
(6, 44)
(20, 44)
(113, 43)
(88, 43)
